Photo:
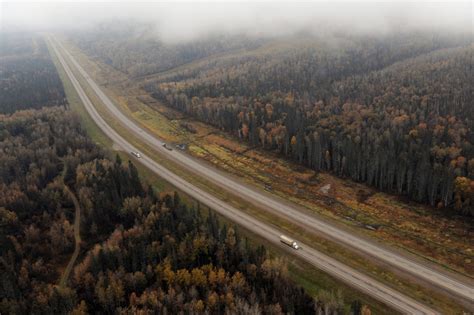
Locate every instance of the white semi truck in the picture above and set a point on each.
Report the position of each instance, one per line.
(288, 241)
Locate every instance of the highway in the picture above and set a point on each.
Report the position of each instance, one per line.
(289, 212)
(364, 283)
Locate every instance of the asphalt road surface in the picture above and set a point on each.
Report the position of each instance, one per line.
(329, 265)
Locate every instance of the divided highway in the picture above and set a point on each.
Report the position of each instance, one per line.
(331, 266)
(435, 277)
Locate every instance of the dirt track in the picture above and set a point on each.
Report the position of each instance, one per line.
(77, 237)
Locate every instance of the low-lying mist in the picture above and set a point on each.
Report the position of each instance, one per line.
(185, 21)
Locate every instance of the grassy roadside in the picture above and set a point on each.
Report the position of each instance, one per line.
(430, 298)
(313, 280)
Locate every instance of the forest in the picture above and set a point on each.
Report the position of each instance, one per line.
(392, 111)
(149, 54)
(142, 250)
(28, 78)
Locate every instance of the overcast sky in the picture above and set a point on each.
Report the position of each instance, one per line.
(190, 19)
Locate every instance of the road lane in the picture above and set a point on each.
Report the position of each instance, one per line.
(362, 282)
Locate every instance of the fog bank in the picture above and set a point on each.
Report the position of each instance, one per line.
(181, 21)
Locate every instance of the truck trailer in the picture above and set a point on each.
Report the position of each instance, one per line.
(288, 241)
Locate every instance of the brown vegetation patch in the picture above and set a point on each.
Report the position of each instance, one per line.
(225, 143)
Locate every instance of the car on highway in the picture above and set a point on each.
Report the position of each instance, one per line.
(136, 154)
(167, 147)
